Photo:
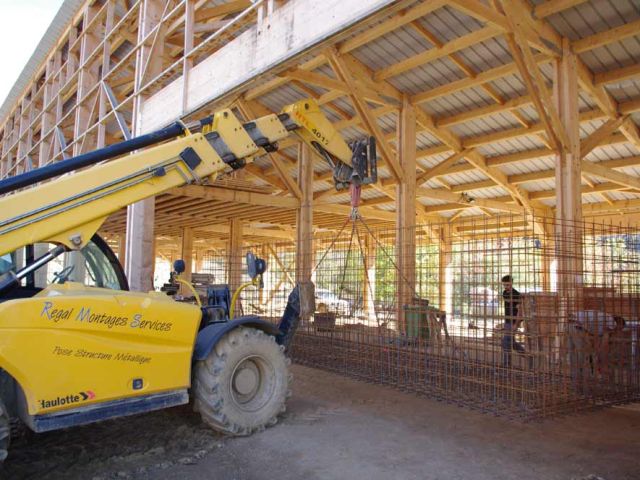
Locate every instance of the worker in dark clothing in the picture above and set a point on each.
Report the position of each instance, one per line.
(512, 320)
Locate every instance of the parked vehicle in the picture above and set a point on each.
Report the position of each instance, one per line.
(328, 301)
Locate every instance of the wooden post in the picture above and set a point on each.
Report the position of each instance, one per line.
(122, 248)
(304, 217)
(569, 202)
(87, 78)
(187, 62)
(369, 293)
(445, 271)
(186, 253)
(235, 260)
(141, 215)
(48, 115)
(406, 210)
(106, 66)
(548, 247)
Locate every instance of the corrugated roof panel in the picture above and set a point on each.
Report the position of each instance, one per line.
(426, 140)
(489, 54)
(431, 201)
(539, 185)
(529, 166)
(489, 192)
(391, 48)
(592, 17)
(458, 102)
(510, 87)
(432, 161)
(281, 96)
(616, 195)
(465, 177)
(625, 91)
(447, 23)
(485, 125)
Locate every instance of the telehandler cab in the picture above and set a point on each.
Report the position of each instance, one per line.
(76, 352)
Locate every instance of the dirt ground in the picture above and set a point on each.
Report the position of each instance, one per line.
(336, 428)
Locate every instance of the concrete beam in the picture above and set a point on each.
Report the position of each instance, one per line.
(291, 30)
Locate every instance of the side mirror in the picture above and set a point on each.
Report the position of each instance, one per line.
(255, 266)
(179, 266)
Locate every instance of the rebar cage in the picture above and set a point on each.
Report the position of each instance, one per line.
(442, 323)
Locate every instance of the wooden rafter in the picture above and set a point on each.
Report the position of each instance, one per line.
(434, 53)
(607, 37)
(342, 71)
(603, 132)
(549, 7)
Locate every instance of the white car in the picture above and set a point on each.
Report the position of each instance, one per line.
(329, 301)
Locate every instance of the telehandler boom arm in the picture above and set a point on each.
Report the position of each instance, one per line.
(70, 209)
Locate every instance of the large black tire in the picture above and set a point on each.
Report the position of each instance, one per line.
(5, 432)
(242, 386)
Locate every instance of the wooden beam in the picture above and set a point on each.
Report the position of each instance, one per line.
(531, 74)
(442, 167)
(235, 260)
(304, 216)
(344, 211)
(255, 51)
(186, 254)
(550, 7)
(602, 98)
(605, 38)
(267, 233)
(398, 20)
(434, 53)
(465, 83)
(406, 211)
(537, 34)
(329, 83)
(341, 70)
(611, 175)
(469, 201)
(630, 130)
(603, 132)
(236, 196)
(617, 75)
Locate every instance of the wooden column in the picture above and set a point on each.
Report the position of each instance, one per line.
(48, 115)
(106, 67)
(122, 248)
(187, 252)
(304, 218)
(369, 293)
(569, 203)
(406, 210)
(236, 260)
(548, 247)
(87, 79)
(141, 216)
(445, 271)
(187, 62)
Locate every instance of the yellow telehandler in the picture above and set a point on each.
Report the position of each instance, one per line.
(76, 352)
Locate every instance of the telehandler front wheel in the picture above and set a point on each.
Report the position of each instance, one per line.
(242, 386)
(5, 432)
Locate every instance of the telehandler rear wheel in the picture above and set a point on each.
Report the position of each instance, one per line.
(241, 387)
(5, 432)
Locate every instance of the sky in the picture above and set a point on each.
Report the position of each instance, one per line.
(22, 25)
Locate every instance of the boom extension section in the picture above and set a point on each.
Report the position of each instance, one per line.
(71, 208)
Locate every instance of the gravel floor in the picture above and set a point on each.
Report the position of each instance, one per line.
(336, 428)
